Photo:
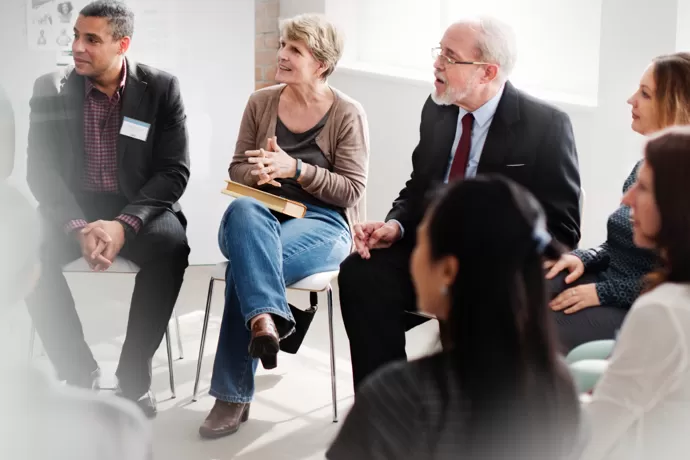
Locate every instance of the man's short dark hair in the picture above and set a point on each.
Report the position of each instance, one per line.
(119, 16)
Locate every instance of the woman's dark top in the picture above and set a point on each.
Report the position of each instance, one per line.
(402, 412)
(301, 146)
(621, 281)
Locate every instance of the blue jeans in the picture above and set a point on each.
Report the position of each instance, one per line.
(253, 240)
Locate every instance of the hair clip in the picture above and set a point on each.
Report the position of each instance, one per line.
(540, 235)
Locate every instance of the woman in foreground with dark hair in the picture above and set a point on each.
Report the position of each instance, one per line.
(501, 390)
(641, 407)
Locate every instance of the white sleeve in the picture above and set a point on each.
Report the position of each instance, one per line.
(646, 365)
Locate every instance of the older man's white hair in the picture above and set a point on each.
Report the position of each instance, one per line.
(496, 43)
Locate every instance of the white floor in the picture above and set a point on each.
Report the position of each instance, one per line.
(291, 414)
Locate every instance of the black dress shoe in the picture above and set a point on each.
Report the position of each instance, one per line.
(147, 403)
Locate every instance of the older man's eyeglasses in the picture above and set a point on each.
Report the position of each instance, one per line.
(437, 53)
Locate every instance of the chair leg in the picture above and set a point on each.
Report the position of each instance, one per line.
(209, 297)
(330, 334)
(179, 335)
(32, 341)
(170, 362)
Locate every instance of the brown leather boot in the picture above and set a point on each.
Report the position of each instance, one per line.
(224, 419)
(265, 342)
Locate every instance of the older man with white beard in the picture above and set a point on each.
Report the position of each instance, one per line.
(474, 122)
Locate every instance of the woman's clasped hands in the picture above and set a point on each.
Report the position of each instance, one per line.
(271, 163)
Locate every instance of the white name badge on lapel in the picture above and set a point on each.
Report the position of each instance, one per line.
(135, 129)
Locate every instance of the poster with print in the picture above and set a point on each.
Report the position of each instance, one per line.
(50, 23)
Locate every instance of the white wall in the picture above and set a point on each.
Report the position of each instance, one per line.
(290, 8)
(683, 38)
(209, 45)
(607, 147)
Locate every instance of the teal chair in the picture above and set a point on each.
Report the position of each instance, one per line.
(588, 362)
(587, 372)
(598, 349)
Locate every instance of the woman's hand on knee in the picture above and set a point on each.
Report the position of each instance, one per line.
(576, 298)
(569, 262)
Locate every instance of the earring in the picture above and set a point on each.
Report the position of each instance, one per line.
(444, 290)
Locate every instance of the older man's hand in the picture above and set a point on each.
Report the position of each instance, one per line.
(375, 235)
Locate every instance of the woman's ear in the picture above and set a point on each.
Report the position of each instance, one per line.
(449, 267)
(321, 69)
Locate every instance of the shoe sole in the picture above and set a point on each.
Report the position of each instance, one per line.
(266, 349)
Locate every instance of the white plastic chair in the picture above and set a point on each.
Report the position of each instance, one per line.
(121, 266)
(314, 284)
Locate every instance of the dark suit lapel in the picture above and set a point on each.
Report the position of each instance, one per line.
(444, 135)
(71, 95)
(499, 139)
(132, 96)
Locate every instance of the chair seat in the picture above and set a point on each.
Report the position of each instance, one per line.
(314, 283)
(120, 265)
(317, 282)
(219, 271)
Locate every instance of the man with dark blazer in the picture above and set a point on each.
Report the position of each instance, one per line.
(475, 122)
(108, 161)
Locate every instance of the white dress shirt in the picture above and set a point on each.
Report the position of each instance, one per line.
(640, 408)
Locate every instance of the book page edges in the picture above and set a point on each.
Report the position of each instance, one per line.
(273, 202)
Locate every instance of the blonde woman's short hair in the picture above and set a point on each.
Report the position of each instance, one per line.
(323, 39)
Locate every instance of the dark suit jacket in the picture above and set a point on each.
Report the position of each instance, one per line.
(152, 175)
(524, 131)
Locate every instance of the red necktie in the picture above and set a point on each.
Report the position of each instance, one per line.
(462, 153)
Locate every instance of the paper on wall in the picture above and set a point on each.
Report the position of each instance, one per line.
(50, 23)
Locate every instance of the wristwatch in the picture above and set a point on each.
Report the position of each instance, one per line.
(298, 170)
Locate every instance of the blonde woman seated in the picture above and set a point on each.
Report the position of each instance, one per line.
(640, 409)
(308, 142)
